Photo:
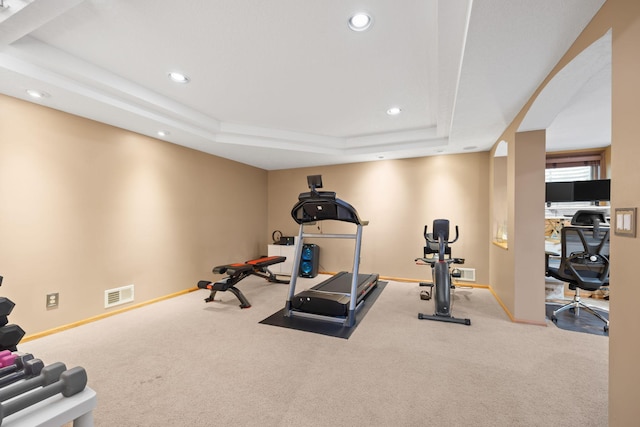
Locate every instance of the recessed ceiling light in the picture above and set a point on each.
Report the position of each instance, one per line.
(163, 133)
(179, 77)
(360, 21)
(37, 94)
(394, 111)
(470, 147)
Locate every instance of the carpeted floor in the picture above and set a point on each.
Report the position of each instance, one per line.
(183, 362)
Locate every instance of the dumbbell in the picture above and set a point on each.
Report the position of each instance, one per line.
(14, 362)
(4, 354)
(10, 336)
(6, 307)
(71, 382)
(31, 369)
(7, 358)
(49, 375)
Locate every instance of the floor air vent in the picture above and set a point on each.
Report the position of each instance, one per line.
(117, 296)
(467, 274)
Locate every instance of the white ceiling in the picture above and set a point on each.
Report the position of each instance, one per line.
(285, 83)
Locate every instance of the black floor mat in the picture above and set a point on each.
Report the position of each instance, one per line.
(584, 322)
(323, 327)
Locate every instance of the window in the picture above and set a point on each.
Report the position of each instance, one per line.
(572, 167)
(572, 173)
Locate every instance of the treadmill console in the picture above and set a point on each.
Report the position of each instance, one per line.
(319, 210)
(323, 205)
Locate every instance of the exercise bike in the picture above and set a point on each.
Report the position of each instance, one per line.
(438, 243)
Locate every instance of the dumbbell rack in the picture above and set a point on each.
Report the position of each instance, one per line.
(57, 411)
(32, 394)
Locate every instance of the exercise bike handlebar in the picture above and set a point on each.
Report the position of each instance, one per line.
(431, 240)
(435, 260)
(442, 243)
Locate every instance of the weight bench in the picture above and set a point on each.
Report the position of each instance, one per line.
(237, 272)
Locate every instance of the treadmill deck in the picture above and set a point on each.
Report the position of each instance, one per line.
(332, 296)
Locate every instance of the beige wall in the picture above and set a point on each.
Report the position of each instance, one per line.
(624, 346)
(500, 258)
(606, 170)
(398, 197)
(526, 230)
(516, 275)
(87, 207)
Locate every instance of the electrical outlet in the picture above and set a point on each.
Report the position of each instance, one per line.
(53, 300)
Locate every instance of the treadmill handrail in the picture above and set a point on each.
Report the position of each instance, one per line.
(330, 236)
(320, 291)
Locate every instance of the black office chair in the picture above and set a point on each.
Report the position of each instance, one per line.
(589, 217)
(584, 264)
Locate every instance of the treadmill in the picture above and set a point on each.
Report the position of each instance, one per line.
(338, 298)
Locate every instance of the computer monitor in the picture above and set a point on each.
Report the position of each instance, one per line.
(558, 192)
(592, 191)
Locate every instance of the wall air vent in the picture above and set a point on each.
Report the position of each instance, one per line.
(467, 274)
(117, 296)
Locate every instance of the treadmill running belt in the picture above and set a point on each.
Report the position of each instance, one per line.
(341, 283)
(331, 297)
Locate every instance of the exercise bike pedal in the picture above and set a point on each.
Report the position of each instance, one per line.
(426, 295)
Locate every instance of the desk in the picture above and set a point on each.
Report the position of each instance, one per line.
(553, 245)
(553, 226)
(57, 411)
(552, 248)
(554, 290)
